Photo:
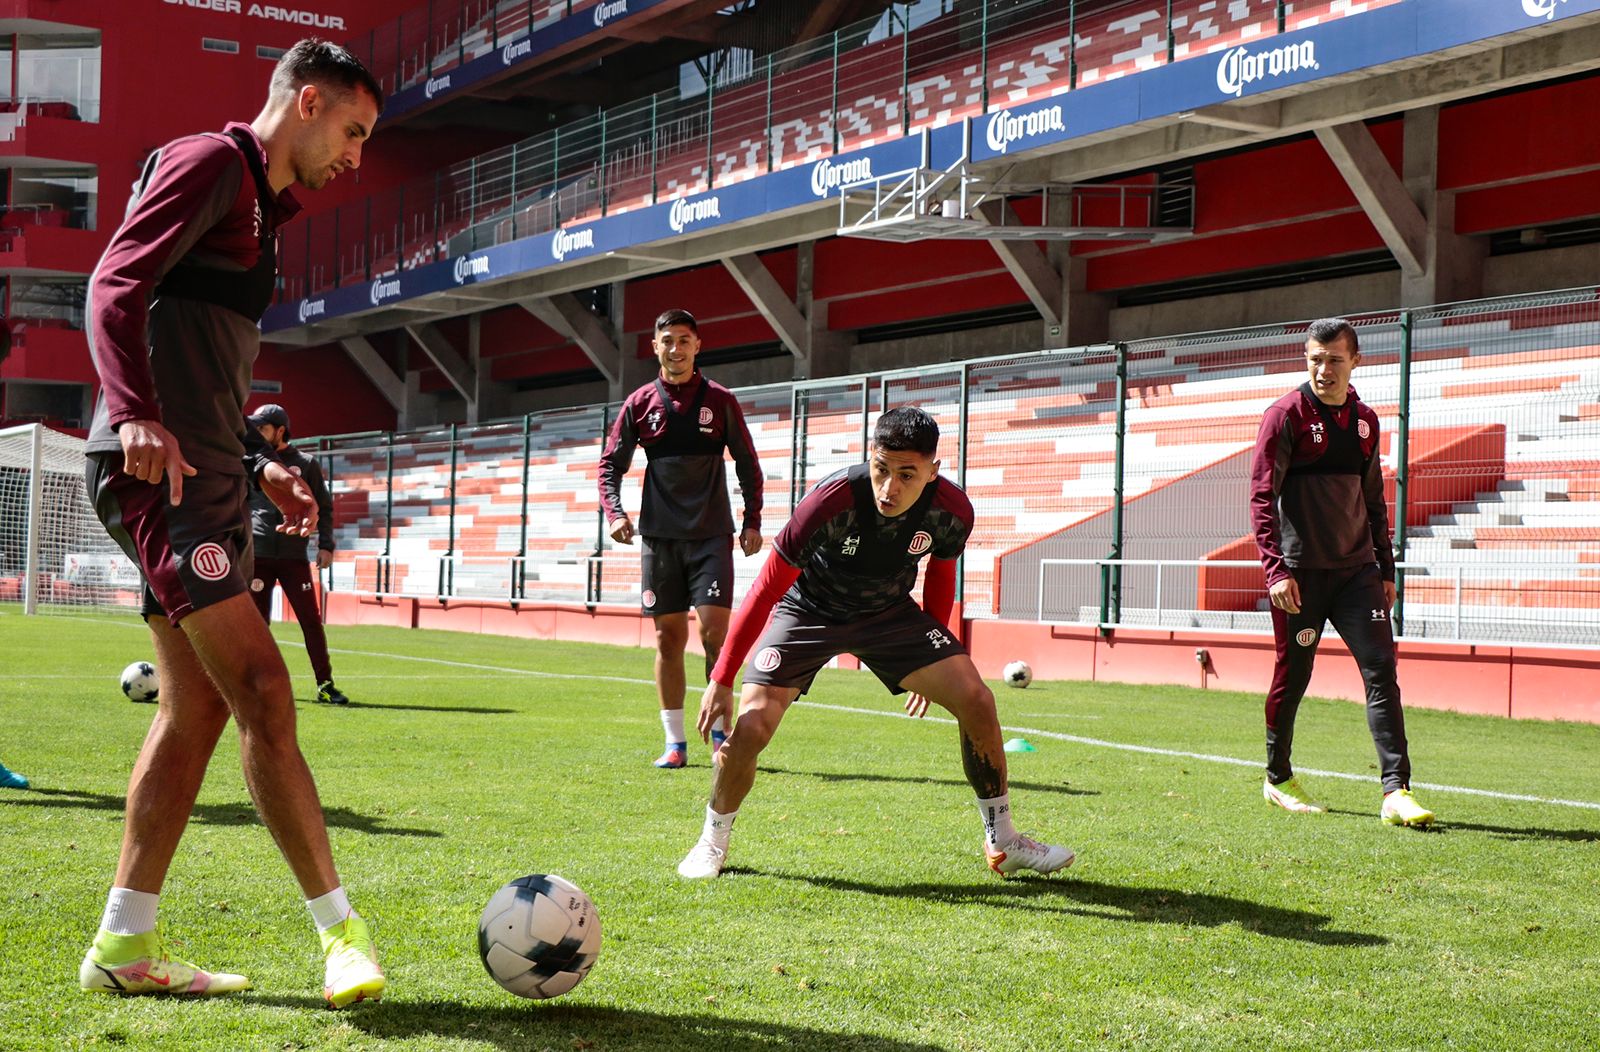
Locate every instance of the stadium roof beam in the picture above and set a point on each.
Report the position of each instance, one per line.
(773, 304)
(1377, 186)
(454, 367)
(1040, 281)
(563, 313)
(1263, 117)
(375, 369)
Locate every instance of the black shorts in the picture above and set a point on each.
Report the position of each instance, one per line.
(893, 644)
(190, 556)
(679, 574)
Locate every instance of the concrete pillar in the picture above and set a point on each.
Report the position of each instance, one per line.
(1086, 316)
(1454, 264)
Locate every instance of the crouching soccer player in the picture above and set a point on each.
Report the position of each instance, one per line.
(841, 579)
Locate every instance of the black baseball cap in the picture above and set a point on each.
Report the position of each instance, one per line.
(271, 413)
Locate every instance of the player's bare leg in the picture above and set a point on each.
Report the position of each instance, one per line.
(761, 709)
(954, 684)
(672, 636)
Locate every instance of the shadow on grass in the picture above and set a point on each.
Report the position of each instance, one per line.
(1571, 836)
(1115, 902)
(534, 1025)
(858, 776)
(469, 709)
(206, 814)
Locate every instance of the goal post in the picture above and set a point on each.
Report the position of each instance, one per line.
(54, 553)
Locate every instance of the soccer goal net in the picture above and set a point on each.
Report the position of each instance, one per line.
(53, 551)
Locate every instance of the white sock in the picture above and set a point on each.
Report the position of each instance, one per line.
(720, 727)
(330, 910)
(672, 723)
(130, 912)
(718, 827)
(997, 826)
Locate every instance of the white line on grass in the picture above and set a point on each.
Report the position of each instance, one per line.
(1077, 739)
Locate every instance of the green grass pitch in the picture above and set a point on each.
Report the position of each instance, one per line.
(856, 913)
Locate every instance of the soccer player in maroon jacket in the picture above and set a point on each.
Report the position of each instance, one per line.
(173, 312)
(1322, 527)
(840, 576)
(684, 422)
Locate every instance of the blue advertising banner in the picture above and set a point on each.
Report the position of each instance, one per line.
(1446, 23)
(820, 180)
(519, 51)
(1056, 119)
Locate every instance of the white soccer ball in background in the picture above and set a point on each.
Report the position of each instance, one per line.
(539, 936)
(139, 682)
(1017, 674)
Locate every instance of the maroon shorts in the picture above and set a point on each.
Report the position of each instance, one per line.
(192, 555)
(893, 644)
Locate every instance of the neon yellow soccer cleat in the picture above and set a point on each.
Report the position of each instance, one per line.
(352, 973)
(139, 964)
(1291, 796)
(1400, 808)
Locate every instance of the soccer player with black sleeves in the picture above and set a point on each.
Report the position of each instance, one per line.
(840, 577)
(281, 557)
(174, 307)
(684, 421)
(1322, 528)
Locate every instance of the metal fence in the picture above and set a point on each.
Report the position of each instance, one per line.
(875, 80)
(1110, 483)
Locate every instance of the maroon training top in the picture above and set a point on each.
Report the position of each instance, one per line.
(183, 362)
(1316, 487)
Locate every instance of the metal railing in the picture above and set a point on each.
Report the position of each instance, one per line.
(875, 80)
(1098, 462)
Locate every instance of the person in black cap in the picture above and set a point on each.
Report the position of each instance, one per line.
(281, 557)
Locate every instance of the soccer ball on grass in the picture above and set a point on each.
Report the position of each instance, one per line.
(1017, 674)
(539, 936)
(140, 683)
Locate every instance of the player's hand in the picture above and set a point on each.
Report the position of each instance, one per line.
(148, 451)
(715, 704)
(916, 705)
(622, 530)
(1285, 595)
(292, 497)
(324, 558)
(750, 541)
(1388, 595)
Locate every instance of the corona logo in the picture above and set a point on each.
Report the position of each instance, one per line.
(686, 213)
(1240, 68)
(564, 241)
(605, 12)
(1545, 9)
(1005, 128)
(435, 85)
(312, 309)
(471, 267)
(511, 52)
(384, 290)
(827, 177)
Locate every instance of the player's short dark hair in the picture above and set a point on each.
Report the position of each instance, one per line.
(907, 429)
(1327, 331)
(676, 316)
(325, 64)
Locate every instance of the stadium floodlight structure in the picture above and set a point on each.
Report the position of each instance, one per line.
(960, 203)
(53, 550)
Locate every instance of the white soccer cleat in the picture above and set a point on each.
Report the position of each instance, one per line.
(1026, 853)
(704, 860)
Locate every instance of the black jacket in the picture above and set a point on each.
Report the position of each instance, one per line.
(265, 516)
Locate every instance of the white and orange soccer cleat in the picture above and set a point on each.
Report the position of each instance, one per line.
(1026, 853)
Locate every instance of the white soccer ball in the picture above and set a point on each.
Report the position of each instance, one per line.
(1017, 674)
(139, 682)
(539, 936)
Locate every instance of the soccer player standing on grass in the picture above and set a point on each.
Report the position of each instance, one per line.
(1322, 527)
(281, 557)
(840, 575)
(173, 308)
(684, 421)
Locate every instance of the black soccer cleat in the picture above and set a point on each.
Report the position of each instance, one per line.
(328, 694)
